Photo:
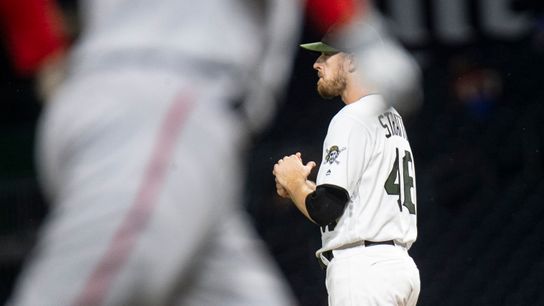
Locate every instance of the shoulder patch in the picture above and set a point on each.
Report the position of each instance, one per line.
(332, 155)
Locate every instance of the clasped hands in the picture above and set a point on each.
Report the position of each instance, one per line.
(290, 173)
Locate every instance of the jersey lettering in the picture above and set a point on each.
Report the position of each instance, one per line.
(393, 183)
(381, 118)
(393, 125)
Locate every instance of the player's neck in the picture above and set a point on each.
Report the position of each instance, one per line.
(353, 92)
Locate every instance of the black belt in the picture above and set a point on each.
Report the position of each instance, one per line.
(329, 255)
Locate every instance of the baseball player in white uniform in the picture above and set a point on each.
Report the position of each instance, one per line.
(364, 198)
(140, 154)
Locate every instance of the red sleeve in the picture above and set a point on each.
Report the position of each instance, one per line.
(325, 13)
(32, 30)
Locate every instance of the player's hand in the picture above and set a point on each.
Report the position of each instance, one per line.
(290, 171)
(281, 191)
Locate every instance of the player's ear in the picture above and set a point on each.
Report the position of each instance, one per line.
(351, 61)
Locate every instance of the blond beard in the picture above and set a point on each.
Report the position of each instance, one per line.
(331, 88)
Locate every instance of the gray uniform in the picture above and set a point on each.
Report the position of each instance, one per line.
(140, 156)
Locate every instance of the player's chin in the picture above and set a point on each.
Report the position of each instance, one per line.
(324, 92)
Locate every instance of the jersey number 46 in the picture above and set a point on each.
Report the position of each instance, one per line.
(394, 188)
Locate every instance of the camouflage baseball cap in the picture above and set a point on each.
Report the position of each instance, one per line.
(319, 46)
(350, 38)
(326, 45)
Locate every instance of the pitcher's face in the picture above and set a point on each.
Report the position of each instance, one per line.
(331, 73)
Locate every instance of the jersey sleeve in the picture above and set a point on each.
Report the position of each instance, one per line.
(344, 154)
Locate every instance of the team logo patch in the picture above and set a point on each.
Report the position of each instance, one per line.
(332, 155)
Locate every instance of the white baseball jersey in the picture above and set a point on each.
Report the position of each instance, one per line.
(366, 152)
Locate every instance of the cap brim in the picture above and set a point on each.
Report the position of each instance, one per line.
(318, 47)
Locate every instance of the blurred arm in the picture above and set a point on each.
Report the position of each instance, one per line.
(33, 33)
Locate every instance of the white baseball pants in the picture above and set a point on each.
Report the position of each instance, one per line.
(375, 275)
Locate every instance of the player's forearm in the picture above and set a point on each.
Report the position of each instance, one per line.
(298, 194)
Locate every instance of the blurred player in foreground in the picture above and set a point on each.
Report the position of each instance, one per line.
(140, 153)
(364, 198)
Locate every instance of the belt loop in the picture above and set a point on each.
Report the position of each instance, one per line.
(401, 245)
(323, 260)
